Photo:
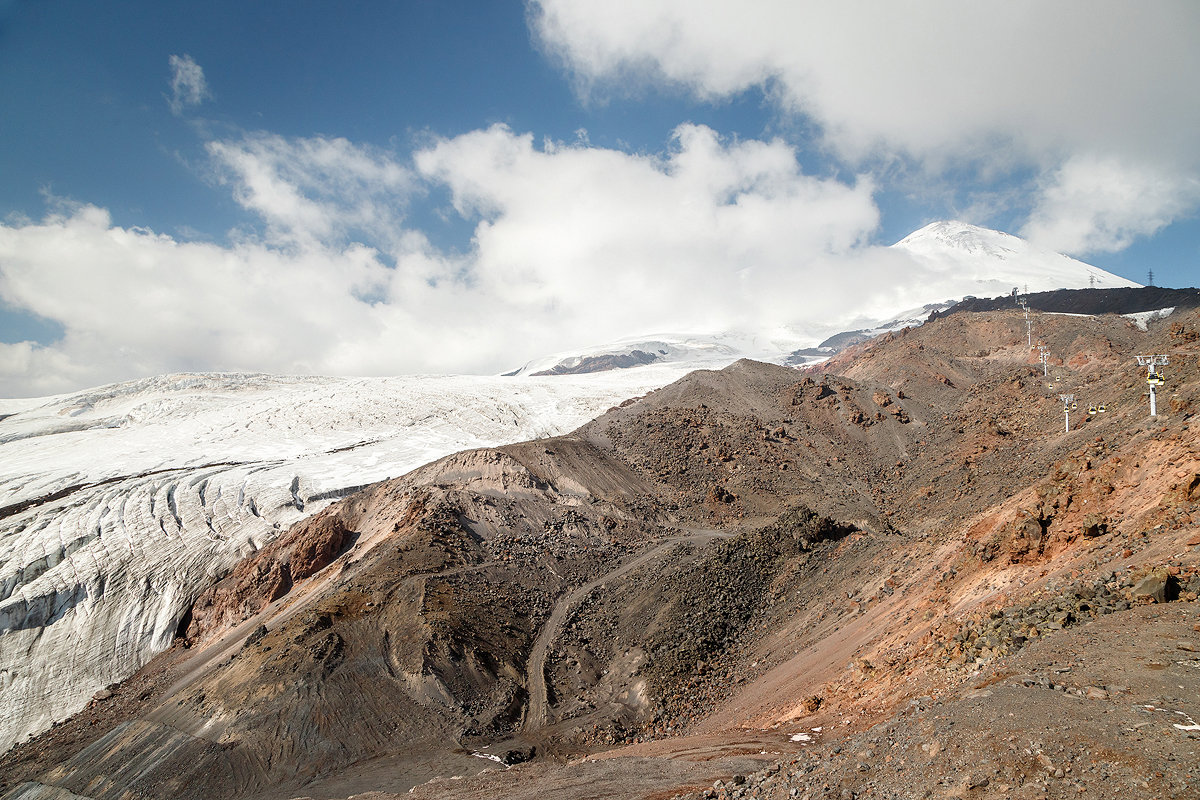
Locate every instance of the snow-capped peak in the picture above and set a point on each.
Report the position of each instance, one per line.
(992, 257)
(964, 236)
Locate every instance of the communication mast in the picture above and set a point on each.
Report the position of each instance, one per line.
(1154, 377)
(1068, 403)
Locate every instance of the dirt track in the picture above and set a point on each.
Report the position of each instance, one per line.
(538, 709)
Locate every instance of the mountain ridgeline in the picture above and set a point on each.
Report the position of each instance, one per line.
(1124, 300)
(894, 574)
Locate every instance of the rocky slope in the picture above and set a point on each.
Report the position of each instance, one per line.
(119, 505)
(894, 575)
(1088, 301)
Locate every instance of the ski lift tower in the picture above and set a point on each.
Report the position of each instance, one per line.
(1154, 376)
(1068, 403)
(1045, 354)
(1028, 325)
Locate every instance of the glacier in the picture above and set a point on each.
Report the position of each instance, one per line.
(119, 505)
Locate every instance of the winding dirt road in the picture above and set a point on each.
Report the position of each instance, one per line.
(537, 713)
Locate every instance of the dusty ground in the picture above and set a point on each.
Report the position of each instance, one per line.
(892, 576)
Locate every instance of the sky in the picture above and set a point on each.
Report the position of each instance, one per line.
(382, 187)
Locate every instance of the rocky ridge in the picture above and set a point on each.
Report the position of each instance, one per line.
(893, 575)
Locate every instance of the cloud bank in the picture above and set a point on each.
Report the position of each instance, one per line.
(993, 87)
(573, 244)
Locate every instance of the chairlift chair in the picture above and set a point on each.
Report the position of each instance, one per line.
(1101, 408)
(1092, 410)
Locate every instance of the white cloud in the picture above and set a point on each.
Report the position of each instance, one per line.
(603, 243)
(312, 190)
(916, 77)
(999, 88)
(136, 303)
(574, 245)
(1093, 204)
(188, 87)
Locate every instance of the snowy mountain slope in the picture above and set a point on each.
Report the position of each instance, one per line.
(934, 267)
(118, 505)
(997, 262)
(701, 351)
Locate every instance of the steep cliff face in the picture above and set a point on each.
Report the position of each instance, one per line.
(749, 560)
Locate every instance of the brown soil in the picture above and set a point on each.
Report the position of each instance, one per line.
(891, 576)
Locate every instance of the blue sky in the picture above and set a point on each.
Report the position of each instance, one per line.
(326, 186)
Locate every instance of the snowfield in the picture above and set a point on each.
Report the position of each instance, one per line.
(119, 505)
(958, 254)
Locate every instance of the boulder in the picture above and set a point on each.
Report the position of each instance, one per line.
(1159, 586)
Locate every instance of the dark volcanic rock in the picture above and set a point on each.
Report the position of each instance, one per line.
(587, 364)
(1086, 301)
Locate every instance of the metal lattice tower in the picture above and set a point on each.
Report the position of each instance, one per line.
(1153, 376)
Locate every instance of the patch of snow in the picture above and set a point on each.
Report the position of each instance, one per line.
(489, 757)
(1144, 318)
(710, 351)
(1191, 726)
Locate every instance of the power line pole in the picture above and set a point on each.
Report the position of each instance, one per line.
(1153, 377)
(1068, 402)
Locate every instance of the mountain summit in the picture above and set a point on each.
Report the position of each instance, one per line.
(992, 256)
(928, 270)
